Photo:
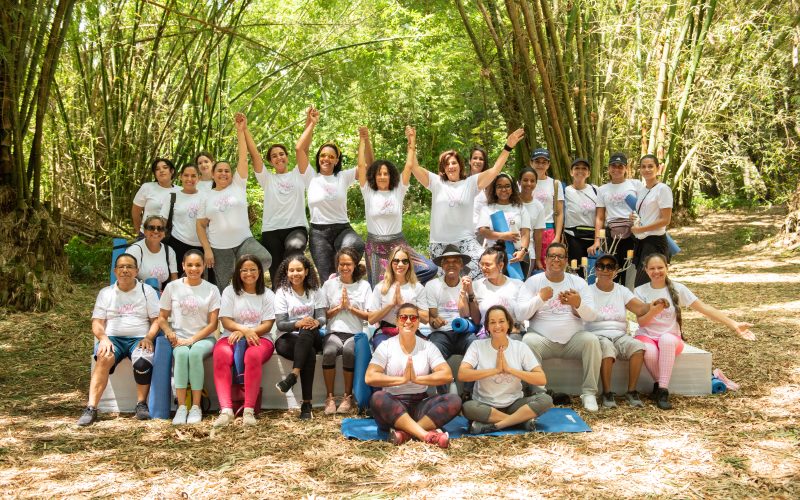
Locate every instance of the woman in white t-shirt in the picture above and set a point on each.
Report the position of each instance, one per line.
(452, 201)
(223, 225)
(478, 162)
(284, 227)
(653, 215)
(345, 297)
(327, 202)
(580, 203)
(550, 194)
(498, 366)
(247, 314)
(384, 190)
(205, 163)
(661, 328)
(156, 259)
(404, 367)
(399, 286)
(495, 288)
(527, 184)
(181, 216)
(151, 195)
(188, 318)
(504, 197)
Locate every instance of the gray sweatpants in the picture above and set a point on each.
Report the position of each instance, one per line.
(479, 412)
(583, 345)
(225, 260)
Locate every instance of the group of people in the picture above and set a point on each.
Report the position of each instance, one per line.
(319, 306)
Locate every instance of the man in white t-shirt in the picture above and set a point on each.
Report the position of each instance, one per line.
(557, 304)
(447, 300)
(124, 324)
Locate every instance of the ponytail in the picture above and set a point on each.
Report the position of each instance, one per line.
(673, 296)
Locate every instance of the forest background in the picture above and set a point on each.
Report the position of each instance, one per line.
(92, 91)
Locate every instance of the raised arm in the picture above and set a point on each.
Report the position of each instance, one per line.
(304, 142)
(364, 155)
(420, 173)
(258, 162)
(487, 176)
(242, 167)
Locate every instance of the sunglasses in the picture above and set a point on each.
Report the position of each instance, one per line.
(401, 261)
(408, 317)
(605, 267)
(154, 228)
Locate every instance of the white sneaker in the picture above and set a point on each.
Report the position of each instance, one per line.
(589, 402)
(225, 418)
(249, 416)
(195, 415)
(180, 416)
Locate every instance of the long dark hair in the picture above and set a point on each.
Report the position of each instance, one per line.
(491, 196)
(372, 172)
(483, 153)
(336, 168)
(169, 163)
(359, 270)
(238, 285)
(673, 294)
(311, 282)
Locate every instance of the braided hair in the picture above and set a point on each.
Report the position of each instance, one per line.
(673, 294)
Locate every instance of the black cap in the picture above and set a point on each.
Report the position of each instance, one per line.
(618, 158)
(540, 153)
(608, 256)
(581, 160)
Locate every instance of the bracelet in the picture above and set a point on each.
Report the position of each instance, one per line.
(508, 148)
(471, 297)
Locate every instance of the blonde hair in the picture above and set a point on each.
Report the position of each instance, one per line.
(388, 276)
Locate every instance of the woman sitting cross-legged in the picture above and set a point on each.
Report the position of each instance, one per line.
(404, 367)
(498, 366)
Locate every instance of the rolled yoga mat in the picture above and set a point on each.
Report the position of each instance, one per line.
(464, 325)
(238, 361)
(500, 224)
(160, 398)
(118, 248)
(363, 354)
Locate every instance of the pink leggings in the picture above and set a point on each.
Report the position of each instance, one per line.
(659, 356)
(254, 357)
(548, 235)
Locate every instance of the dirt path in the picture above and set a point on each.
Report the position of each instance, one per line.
(742, 444)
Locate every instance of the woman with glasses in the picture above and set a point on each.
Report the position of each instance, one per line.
(404, 367)
(498, 366)
(152, 195)
(156, 259)
(503, 196)
(399, 286)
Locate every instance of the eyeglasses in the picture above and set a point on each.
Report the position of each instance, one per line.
(408, 317)
(401, 261)
(557, 257)
(605, 267)
(503, 187)
(154, 228)
(125, 267)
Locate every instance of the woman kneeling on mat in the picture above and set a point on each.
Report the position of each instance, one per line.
(193, 306)
(405, 366)
(247, 312)
(498, 366)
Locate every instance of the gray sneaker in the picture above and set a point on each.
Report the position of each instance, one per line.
(142, 411)
(608, 400)
(633, 399)
(88, 416)
(481, 428)
(530, 425)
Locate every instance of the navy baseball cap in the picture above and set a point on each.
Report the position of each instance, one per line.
(581, 160)
(540, 153)
(618, 158)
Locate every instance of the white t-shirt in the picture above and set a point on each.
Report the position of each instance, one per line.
(543, 193)
(247, 309)
(205, 185)
(666, 321)
(190, 305)
(327, 197)
(151, 196)
(444, 298)
(611, 319)
(358, 294)
(612, 197)
(154, 265)
(226, 211)
(384, 209)
(536, 213)
(517, 217)
(284, 198)
(554, 320)
(184, 216)
(500, 390)
(478, 204)
(297, 307)
(649, 203)
(451, 208)
(581, 206)
(488, 295)
(391, 357)
(127, 314)
(414, 294)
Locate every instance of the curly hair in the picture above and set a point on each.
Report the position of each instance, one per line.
(372, 172)
(359, 270)
(445, 157)
(491, 195)
(311, 282)
(336, 168)
(388, 276)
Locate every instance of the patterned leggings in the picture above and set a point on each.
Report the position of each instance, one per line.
(659, 356)
(387, 408)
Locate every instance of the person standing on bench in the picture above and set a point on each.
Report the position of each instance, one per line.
(404, 367)
(498, 366)
(124, 324)
(152, 195)
(661, 328)
(247, 312)
(189, 312)
(557, 304)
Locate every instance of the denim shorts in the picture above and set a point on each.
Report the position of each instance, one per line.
(123, 348)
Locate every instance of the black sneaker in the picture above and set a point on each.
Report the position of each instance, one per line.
(88, 416)
(608, 400)
(142, 411)
(305, 411)
(662, 399)
(287, 383)
(481, 428)
(654, 394)
(466, 396)
(559, 398)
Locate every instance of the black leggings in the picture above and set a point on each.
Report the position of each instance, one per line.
(644, 247)
(180, 250)
(301, 347)
(327, 239)
(282, 243)
(577, 249)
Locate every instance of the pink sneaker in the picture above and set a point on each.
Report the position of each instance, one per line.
(439, 438)
(397, 437)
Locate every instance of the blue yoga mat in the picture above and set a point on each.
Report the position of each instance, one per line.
(363, 355)
(554, 420)
(118, 248)
(238, 361)
(500, 224)
(160, 398)
(464, 325)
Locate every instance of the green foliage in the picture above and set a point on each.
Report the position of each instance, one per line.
(88, 262)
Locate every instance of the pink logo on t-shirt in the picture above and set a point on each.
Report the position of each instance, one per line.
(555, 306)
(608, 313)
(450, 306)
(193, 210)
(388, 207)
(301, 311)
(617, 198)
(587, 206)
(543, 197)
(249, 316)
(159, 273)
(126, 309)
(189, 305)
(224, 202)
(284, 187)
(665, 315)
(330, 191)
